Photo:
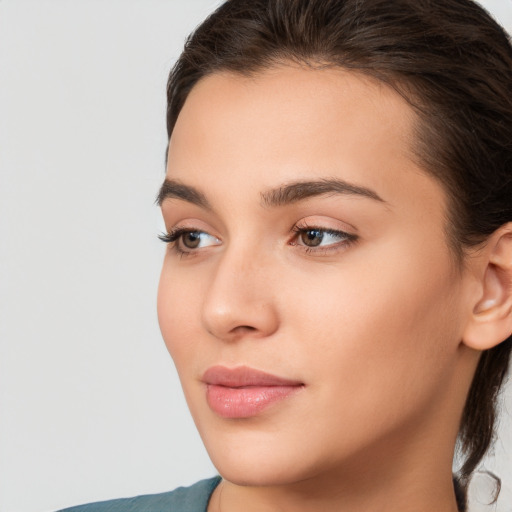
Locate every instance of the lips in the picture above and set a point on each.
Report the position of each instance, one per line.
(243, 392)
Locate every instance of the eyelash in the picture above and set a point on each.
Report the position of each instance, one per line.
(348, 239)
(174, 234)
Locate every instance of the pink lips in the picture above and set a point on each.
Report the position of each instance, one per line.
(243, 392)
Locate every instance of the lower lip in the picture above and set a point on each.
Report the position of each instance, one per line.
(246, 401)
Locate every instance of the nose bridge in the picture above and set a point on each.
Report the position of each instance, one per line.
(240, 298)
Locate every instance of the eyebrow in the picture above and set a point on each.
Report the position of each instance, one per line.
(300, 190)
(172, 189)
(287, 194)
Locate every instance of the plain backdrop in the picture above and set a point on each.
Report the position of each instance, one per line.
(90, 404)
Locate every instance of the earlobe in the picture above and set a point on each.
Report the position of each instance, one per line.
(491, 319)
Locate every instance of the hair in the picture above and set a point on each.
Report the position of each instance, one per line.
(450, 61)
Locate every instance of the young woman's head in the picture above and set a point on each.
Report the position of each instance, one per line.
(338, 200)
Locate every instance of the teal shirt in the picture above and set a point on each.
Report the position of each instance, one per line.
(183, 499)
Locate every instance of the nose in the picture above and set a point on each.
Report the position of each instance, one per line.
(240, 299)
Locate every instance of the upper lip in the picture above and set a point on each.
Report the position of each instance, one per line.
(244, 376)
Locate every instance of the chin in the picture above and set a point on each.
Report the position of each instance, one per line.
(265, 458)
(259, 473)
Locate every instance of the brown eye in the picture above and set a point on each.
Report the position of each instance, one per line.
(186, 241)
(312, 237)
(191, 239)
(318, 239)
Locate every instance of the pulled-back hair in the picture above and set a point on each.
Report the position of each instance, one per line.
(452, 63)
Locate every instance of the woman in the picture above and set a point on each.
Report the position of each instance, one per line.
(337, 289)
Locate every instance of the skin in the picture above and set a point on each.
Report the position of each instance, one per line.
(372, 327)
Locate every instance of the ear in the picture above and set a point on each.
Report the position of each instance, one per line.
(490, 322)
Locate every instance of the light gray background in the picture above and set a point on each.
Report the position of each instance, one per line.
(90, 405)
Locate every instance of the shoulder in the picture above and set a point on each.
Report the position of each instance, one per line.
(183, 499)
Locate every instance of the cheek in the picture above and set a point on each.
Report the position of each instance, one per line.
(178, 306)
(379, 329)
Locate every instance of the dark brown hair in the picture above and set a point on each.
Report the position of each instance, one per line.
(450, 60)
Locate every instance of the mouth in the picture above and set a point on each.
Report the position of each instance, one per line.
(243, 392)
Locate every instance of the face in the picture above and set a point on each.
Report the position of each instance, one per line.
(308, 295)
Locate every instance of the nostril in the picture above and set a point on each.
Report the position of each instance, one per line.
(242, 330)
(245, 328)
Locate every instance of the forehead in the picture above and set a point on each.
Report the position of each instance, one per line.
(292, 111)
(296, 90)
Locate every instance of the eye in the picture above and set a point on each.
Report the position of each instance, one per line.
(193, 239)
(185, 241)
(317, 238)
